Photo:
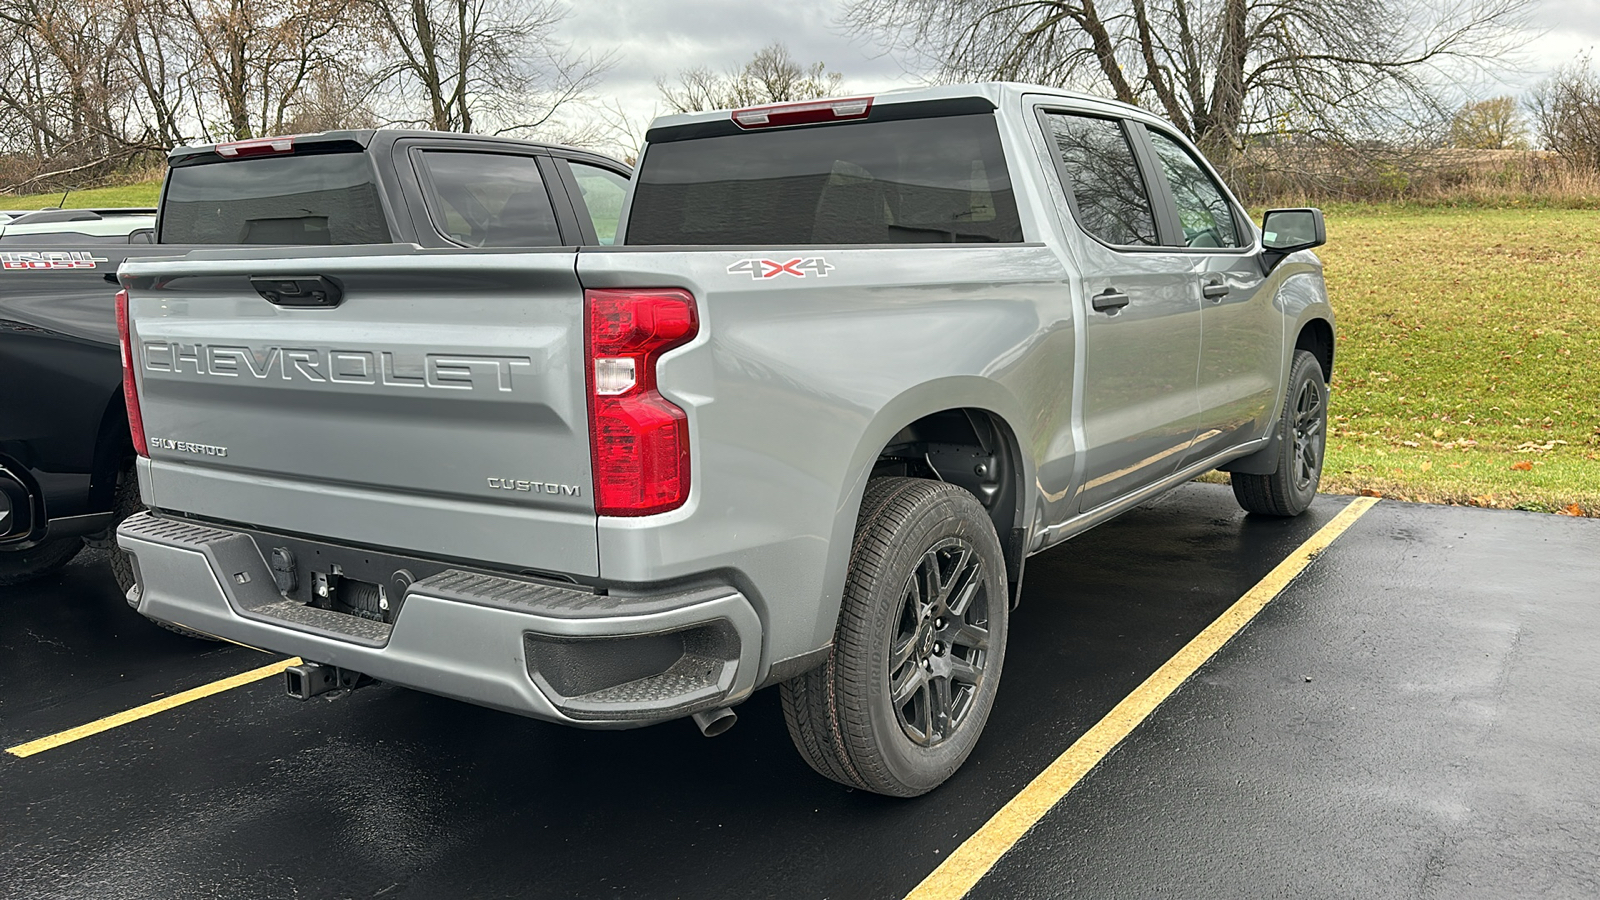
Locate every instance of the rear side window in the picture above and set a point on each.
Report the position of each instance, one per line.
(602, 191)
(1109, 195)
(325, 198)
(1203, 209)
(489, 199)
(919, 181)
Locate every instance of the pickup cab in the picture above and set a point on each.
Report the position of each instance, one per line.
(851, 364)
(66, 454)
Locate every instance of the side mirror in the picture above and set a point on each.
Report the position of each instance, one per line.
(1284, 231)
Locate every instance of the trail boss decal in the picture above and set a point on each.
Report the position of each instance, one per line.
(771, 268)
(50, 259)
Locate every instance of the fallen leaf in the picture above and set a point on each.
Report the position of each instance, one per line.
(1426, 465)
(1369, 492)
(1522, 465)
(1572, 510)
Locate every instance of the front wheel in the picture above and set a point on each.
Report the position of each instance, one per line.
(17, 566)
(1302, 445)
(915, 662)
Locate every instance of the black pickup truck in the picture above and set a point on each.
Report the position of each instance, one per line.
(65, 447)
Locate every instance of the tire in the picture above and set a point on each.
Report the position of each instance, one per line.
(923, 622)
(17, 566)
(1302, 447)
(124, 504)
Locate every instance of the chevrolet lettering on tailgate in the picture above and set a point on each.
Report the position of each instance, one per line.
(456, 372)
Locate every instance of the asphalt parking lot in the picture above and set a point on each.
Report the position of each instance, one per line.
(1416, 715)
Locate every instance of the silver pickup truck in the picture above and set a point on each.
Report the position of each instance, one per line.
(849, 364)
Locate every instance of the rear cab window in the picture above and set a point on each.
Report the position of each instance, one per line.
(321, 198)
(937, 179)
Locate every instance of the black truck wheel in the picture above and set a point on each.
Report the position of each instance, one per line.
(1302, 445)
(17, 566)
(915, 663)
(125, 503)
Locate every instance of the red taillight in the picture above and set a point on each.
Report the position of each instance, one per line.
(639, 439)
(258, 147)
(808, 113)
(130, 394)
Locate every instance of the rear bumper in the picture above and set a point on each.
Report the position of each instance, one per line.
(559, 653)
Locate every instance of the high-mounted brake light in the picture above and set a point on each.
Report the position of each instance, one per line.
(639, 440)
(130, 393)
(809, 113)
(259, 147)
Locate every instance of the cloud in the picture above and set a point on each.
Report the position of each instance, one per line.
(659, 38)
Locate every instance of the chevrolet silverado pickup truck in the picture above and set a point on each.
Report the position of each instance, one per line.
(850, 364)
(66, 453)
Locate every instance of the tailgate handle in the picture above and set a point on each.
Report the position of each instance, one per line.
(316, 291)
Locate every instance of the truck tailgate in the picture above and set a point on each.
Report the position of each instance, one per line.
(438, 408)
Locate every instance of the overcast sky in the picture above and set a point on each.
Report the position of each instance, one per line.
(662, 37)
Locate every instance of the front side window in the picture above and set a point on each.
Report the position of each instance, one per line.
(602, 191)
(489, 199)
(1203, 208)
(1103, 175)
(932, 180)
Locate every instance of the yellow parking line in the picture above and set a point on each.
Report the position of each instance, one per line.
(977, 855)
(150, 709)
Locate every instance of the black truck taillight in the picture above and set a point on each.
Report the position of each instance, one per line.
(639, 440)
(130, 392)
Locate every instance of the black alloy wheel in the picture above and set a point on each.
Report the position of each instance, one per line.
(941, 647)
(906, 688)
(1302, 447)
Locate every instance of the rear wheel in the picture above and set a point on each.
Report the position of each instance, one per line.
(127, 503)
(916, 658)
(17, 566)
(1302, 444)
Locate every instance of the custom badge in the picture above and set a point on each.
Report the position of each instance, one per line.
(34, 260)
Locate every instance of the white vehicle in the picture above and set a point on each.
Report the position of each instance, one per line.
(111, 225)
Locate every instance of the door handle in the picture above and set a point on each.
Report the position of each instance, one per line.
(1214, 290)
(1109, 300)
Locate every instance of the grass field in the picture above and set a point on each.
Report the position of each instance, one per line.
(143, 193)
(1468, 366)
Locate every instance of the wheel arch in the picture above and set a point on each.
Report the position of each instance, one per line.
(113, 449)
(1316, 337)
(955, 410)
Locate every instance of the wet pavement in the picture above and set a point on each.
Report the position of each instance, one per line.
(1416, 716)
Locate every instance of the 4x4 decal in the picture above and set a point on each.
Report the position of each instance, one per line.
(49, 259)
(799, 267)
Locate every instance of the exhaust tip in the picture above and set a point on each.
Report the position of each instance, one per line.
(715, 721)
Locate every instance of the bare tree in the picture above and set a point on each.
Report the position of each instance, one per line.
(473, 65)
(257, 57)
(1493, 124)
(771, 76)
(1222, 70)
(1566, 110)
(67, 108)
